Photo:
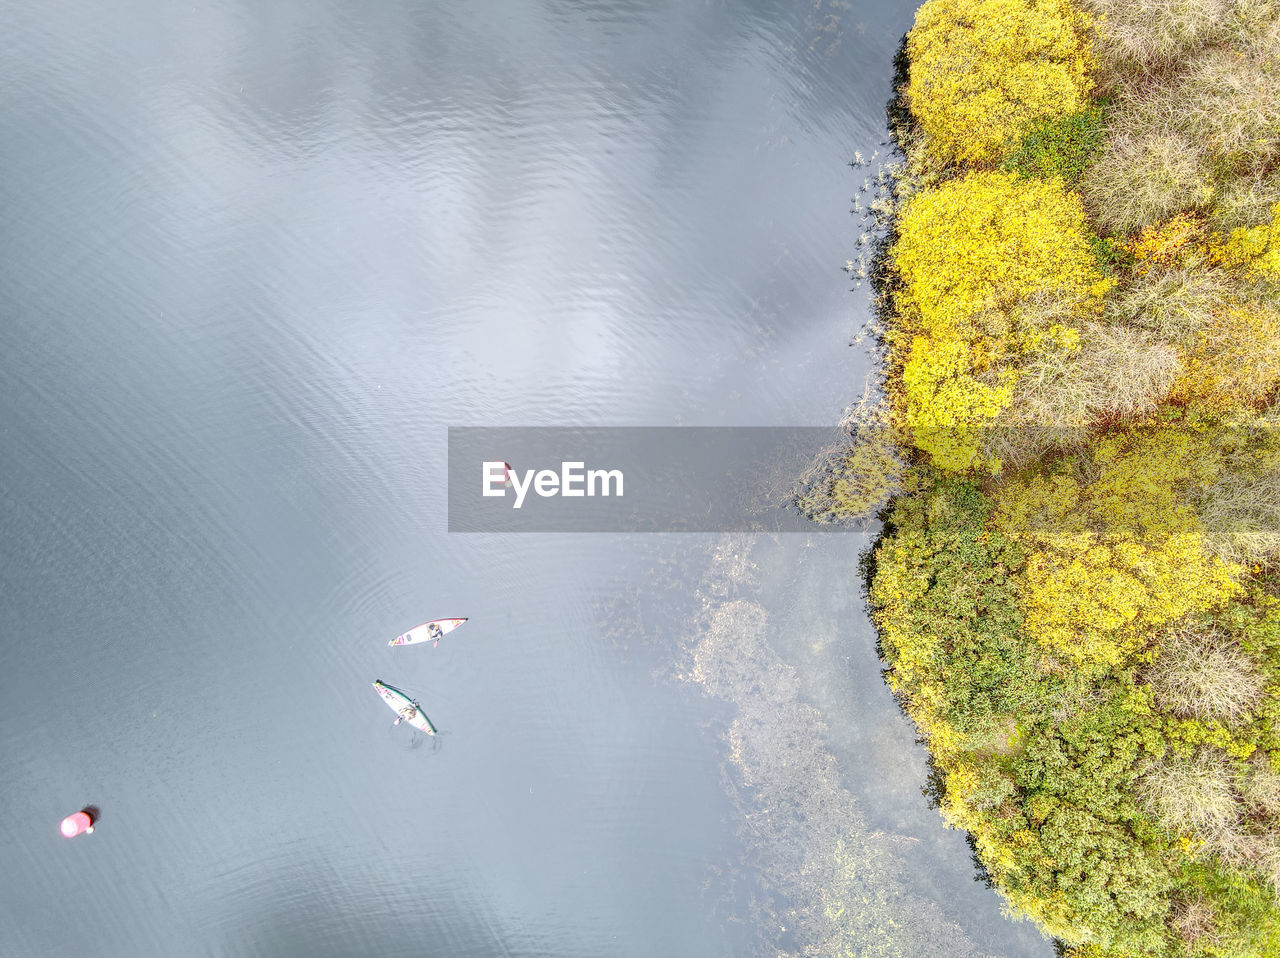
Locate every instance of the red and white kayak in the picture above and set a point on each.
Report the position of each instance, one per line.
(409, 711)
(432, 631)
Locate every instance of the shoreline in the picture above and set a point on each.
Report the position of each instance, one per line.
(1078, 458)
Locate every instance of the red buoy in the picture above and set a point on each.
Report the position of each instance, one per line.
(81, 823)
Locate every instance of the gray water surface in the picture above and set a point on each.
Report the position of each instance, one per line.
(254, 259)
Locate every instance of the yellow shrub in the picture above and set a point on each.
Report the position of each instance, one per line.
(1138, 491)
(1092, 603)
(1235, 361)
(985, 241)
(1112, 558)
(962, 784)
(946, 406)
(983, 70)
(917, 653)
(1165, 245)
(1257, 248)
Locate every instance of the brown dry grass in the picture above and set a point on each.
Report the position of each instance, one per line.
(1173, 304)
(1208, 129)
(1234, 363)
(1118, 371)
(1255, 27)
(1195, 922)
(1240, 513)
(1245, 201)
(1266, 860)
(1203, 674)
(1193, 795)
(1230, 103)
(1140, 35)
(1144, 176)
(1260, 788)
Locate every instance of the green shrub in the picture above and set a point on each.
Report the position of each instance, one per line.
(1095, 871)
(948, 612)
(1060, 146)
(1098, 885)
(1110, 255)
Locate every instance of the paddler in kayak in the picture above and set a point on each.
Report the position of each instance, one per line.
(436, 633)
(407, 714)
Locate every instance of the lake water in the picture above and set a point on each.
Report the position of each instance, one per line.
(255, 258)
